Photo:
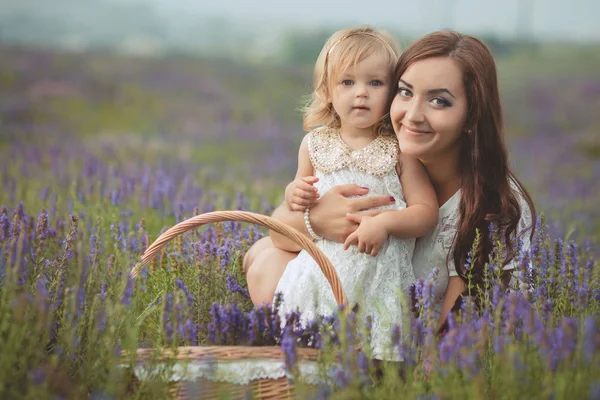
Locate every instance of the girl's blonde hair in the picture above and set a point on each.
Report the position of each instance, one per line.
(346, 48)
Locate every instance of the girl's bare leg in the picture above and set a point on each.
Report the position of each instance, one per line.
(264, 265)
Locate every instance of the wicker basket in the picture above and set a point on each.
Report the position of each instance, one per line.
(261, 388)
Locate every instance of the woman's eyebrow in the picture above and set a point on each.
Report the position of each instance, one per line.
(432, 91)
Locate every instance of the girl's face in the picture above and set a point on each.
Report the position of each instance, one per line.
(430, 109)
(360, 93)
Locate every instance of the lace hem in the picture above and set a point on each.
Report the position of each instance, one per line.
(239, 372)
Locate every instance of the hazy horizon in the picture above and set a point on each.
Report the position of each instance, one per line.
(548, 20)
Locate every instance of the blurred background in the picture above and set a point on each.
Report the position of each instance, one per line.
(213, 88)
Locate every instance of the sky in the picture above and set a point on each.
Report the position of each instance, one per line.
(575, 20)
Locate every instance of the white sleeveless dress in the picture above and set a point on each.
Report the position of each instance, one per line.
(374, 283)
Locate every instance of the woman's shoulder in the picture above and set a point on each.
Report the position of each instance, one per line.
(526, 221)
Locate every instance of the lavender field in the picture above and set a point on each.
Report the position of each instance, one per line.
(101, 153)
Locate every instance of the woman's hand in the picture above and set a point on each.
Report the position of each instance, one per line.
(328, 216)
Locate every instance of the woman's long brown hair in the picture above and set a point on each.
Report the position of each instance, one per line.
(486, 192)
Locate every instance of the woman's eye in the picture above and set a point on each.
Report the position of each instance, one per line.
(439, 101)
(347, 82)
(404, 92)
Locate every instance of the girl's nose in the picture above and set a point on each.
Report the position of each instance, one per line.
(361, 90)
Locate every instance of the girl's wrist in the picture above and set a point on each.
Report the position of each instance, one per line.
(382, 221)
(309, 226)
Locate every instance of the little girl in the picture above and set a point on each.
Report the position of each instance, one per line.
(354, 143)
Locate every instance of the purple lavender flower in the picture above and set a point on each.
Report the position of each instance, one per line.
(24, 274)
(214, 326)
(363, 366)
(169, 331)
(288, 345)
(42, 226)
(191, 332)
(239, 325)
(257, 325)
(341, 378)
(37, 376)
(5, 225)
(591, 338)
(181, 331)
(323, 392)
(225, 325)
(234, 287)
(134, 245)
(128, 292)
(44, 194)
(103, 288)
(99, 395)
(594, 391)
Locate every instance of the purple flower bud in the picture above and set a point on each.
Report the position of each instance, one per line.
(342, 378)
(234, 287)
(288, 345)
(169, 330)
(591, 338)
(37, 376)
(103, 288)
(190, 329)
(128, 293)
(363, 366)
(42, 226)
(594, 391)
(181, 331)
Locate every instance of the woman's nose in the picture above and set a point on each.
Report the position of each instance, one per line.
(414, 113)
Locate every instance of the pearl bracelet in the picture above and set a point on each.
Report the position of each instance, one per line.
(309, 228)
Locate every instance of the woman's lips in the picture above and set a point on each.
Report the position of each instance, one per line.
(414, 131)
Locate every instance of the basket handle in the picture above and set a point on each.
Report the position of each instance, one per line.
(262, 220)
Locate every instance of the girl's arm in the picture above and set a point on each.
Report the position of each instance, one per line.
(421, 214)
(305, 168)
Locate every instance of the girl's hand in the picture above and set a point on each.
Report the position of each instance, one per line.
(369, 237)
(301, 194)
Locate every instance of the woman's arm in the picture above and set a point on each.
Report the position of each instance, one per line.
(328, 216)
(456, 286)
(421, 214)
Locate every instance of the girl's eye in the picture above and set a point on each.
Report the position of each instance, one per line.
(376, 83)
(404, 92)
(440, 101)
(347, 82)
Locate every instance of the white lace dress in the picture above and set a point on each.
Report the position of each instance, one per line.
(375, 283)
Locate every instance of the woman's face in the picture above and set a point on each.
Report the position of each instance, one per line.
(429, 110)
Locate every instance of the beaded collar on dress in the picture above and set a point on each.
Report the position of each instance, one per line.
(329, 153)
